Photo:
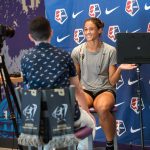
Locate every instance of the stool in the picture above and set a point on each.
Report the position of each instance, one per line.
(114, 109)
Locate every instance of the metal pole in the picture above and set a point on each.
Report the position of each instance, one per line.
(140, 106)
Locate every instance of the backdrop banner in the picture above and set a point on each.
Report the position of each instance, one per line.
(132, 16)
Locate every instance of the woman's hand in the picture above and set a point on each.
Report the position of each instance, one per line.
(127, 66)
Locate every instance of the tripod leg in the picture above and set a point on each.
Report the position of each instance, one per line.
(10, 85)
(12, 114)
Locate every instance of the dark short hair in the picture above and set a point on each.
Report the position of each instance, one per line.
(40, 28)
(99, 24)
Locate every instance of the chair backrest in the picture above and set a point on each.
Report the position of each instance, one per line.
(48, 114)
(60, 106)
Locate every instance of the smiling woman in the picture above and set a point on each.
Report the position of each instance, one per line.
(98, 75)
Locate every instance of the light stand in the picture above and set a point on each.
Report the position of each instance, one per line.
(140, 105)
(9, 92)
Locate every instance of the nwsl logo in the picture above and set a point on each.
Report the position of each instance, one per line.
(112, 31)
(61, 15)
(120, 127)
(148, 28)
(134, 105)
(94, 10)
(78, 36)
(132, 7)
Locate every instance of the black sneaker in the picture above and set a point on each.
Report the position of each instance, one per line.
(109, 145)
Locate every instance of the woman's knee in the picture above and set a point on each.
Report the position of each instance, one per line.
(103, 105)
(102, 108)
(103, 112)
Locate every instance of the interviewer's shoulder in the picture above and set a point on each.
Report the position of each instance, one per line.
(60, 51)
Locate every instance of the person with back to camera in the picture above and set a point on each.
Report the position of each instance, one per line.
(95, 63)
(47, 67)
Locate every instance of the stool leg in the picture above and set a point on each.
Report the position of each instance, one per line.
(115, 139)
(86, 143)
(72, 147)
(90, 142)
(29, 148)
(115, 143)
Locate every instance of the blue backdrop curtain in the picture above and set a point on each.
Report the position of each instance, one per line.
(67, 19)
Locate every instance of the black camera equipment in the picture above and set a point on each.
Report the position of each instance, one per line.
(135, 48)
(6, 31)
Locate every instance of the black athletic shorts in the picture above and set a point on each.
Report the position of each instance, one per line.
(94, 95)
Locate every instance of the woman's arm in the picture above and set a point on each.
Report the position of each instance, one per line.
(78, 70)
(115, 72)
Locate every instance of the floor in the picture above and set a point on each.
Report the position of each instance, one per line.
(97, 146)
(7, 148)
(100, 148)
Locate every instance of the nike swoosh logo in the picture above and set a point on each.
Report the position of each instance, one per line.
(132, 82)
(74, 15)
(107, 12)
(146, 7)
(134, 30)
(119, 104)
(135, 130)
(61, 39)
(97, 128)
